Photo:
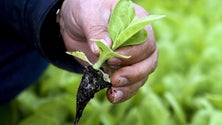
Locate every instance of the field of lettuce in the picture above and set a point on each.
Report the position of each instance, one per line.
(185, 89)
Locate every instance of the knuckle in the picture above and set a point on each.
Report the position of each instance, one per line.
(96, 31)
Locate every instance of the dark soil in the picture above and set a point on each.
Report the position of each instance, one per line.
(92, 82)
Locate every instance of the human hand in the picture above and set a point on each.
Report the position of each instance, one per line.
(82, 21)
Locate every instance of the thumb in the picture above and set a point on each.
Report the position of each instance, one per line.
(97, 32)
(96, 27)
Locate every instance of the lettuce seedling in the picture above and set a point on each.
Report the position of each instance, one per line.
(125, 29)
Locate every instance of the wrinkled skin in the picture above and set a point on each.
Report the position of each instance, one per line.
(83, 20)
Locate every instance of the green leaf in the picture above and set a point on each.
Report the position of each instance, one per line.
(80, 55)
(216, 118)
(39, 119)
(180, 115)
(201, 117)
(105, 53)
(215, 100)
(51, 112)
(121, 17)
(152, 108)
(135, 26)
(133, 118)
(138, 38)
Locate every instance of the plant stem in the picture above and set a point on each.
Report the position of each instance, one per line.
(99, 63)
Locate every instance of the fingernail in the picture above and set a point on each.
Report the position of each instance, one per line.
(95, 49)
(117, 95)
(108, 40)
(122, 81)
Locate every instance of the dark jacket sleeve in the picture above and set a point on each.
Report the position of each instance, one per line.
(35, 22)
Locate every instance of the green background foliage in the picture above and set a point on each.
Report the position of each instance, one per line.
(185, 89)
